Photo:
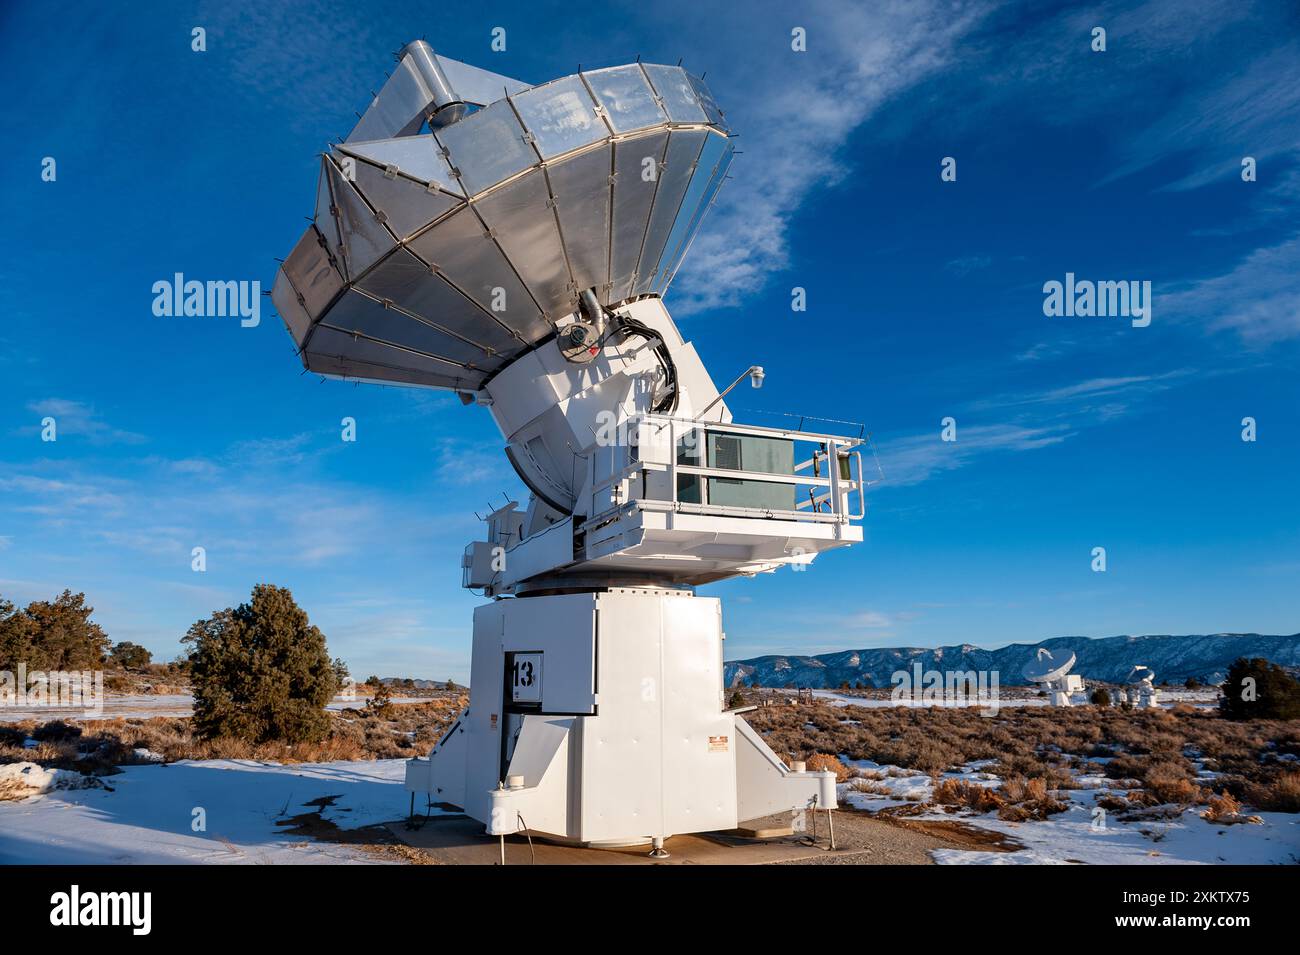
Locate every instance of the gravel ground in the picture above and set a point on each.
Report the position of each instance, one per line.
(863, 839)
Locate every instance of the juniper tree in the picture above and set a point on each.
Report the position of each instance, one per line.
(261, 671)
(130, 656)
(1256, 689)
(53, 634)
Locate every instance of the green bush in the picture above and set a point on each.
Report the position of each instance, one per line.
(1256, 689)
(260, 672)
(1101, 696)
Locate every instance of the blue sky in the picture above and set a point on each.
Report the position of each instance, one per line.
(924, 301)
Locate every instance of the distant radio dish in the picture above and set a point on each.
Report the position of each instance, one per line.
(1140, 674)
(1141, 681)
(1046, 668)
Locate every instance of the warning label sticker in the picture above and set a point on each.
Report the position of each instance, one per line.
(717, 744)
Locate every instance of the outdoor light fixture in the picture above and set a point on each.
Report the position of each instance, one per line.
(755, 375)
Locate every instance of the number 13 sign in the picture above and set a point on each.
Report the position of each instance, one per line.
(526, 678)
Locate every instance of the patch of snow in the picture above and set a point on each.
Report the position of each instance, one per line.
(146, 705)
(338, 703)
(842, 699)
(115, 706)
(1185, 839)
(149, 816)
(39, 780)
(1072, 836)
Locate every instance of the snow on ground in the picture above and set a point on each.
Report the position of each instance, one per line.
(145, 705)
(905, 785)
(1203, 699)
(1073, 837)
(845, 699)
(124, 705)
(146, 814)
(1069, 837)
(341, 703)
(30, 776)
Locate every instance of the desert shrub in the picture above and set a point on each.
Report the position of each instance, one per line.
(1221, 807)
(959, 792)
(381, 704)
(117, 683)
(1258, 689)
(1112, 803)
(864, 784)
(1170, 783)
(102, 753)
(260, 672)
(820, 762)
(1250, 756)
(56, 731)
(1101, 696)
(1024, 799)
(1280, 794)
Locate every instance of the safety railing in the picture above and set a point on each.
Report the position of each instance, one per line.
(657, 462)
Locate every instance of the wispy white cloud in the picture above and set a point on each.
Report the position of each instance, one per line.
(919, 457)
(1030, 420)
(461, 463)
(1078, 393)
(58, 499)
(797, 113)
(1259, 298)
(1255, 112)
(78, 419)
(1198, 121)
(332, 55)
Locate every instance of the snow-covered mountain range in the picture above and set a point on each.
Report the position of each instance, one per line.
(1107, 659)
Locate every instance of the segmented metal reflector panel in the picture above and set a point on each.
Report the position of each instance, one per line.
(436, 258)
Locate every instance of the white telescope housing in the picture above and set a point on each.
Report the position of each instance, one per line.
(512, 243)
(1140, 688)
(1062, 687)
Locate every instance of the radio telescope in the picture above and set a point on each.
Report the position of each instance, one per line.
(1053, 671)
(1140, 687)
(512, 243)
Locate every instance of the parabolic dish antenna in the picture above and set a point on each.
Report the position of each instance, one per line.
(1046, 668)
(513, 243)
(1140, 674)
(437, 258)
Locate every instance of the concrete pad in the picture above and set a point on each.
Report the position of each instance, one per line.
(459, 840)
